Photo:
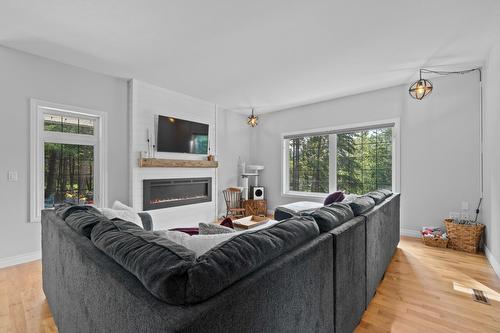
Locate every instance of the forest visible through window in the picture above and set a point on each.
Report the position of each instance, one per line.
(68, 168)
(363, 162)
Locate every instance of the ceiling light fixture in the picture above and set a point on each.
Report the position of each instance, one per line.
(252, 120)
(420, 88)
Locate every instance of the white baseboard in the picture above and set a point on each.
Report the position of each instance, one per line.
(20, 259)
(410, 232)
(493, 262)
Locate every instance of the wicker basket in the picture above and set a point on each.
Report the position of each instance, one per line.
(464, 237)
(435, 241)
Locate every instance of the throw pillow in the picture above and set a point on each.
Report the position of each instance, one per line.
(212, 228)
(334, 197)
(227, 222)
(190, 231)
(123, 212)
(199, 244)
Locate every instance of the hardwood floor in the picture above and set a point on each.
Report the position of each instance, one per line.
(424, 290)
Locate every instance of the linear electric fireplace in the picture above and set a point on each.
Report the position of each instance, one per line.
(163, 193)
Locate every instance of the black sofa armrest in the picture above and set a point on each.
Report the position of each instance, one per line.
(147, 221)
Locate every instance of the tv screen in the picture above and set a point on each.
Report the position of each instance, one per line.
(181, 136)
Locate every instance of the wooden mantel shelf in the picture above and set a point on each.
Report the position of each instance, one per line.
(168, 163)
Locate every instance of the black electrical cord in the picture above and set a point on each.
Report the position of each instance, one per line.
(430, 71)
(477, 209)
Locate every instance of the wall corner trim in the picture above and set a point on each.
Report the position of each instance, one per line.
(20, 259)
(493, 261)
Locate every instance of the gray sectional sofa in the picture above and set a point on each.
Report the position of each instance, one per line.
(299, 275)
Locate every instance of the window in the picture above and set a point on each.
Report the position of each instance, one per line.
(67, 156)
(355, 160)
(309, 158)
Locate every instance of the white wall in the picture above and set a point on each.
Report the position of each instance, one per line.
(233, 141)
(228, 138)
(147, 102)
(491, 208)
(24, 76)
(439, 143)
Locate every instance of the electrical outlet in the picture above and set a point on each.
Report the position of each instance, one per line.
(12, 176)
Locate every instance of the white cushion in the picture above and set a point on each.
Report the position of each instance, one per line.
(200, 244)
(122, 211)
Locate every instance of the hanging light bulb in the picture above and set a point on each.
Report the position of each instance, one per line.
(252, 120)
(420, 88)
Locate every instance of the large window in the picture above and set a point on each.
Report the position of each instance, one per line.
(356, 160)
(68, 160)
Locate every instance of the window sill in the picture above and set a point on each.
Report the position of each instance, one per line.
(304, 195)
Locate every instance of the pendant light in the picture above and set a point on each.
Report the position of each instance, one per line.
(420, 88)
(252, 120)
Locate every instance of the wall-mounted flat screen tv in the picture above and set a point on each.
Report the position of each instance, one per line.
(181, 136)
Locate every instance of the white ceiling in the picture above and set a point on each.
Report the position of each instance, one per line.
(265, 53)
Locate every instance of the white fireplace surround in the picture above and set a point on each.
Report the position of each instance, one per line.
(146, 103)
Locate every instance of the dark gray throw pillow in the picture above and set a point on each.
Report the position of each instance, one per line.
(212, 228)
(361, 205)
(331, 216)
(377, 196)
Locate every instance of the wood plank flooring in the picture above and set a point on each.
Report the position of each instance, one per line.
(427, 289)
(424, 290)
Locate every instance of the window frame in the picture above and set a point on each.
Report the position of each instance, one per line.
(285, 162)
(37, 152)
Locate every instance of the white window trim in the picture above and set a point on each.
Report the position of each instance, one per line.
(396, 159)
(39, 136)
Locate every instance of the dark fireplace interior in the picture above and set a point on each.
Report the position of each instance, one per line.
(163, 193)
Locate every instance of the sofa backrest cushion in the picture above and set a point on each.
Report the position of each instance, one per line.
(173, 274)
(293, 209)
(160, 264)
(331, 216)
(387, 193)
(361, 205)
(83, 221)
(244, 253)
(64, 210)
(377, 196)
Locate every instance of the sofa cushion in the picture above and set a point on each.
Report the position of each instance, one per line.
(212, 228)
(337, 196)
(377, 196)
(227, 222)
(293, 209)
(244, 253)
(160, 264)
(199, 244)
(170, 271)
(331, 216)
(123, 212)
(387, 193)
(361, 205)
(83, 221)
(64, 210)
